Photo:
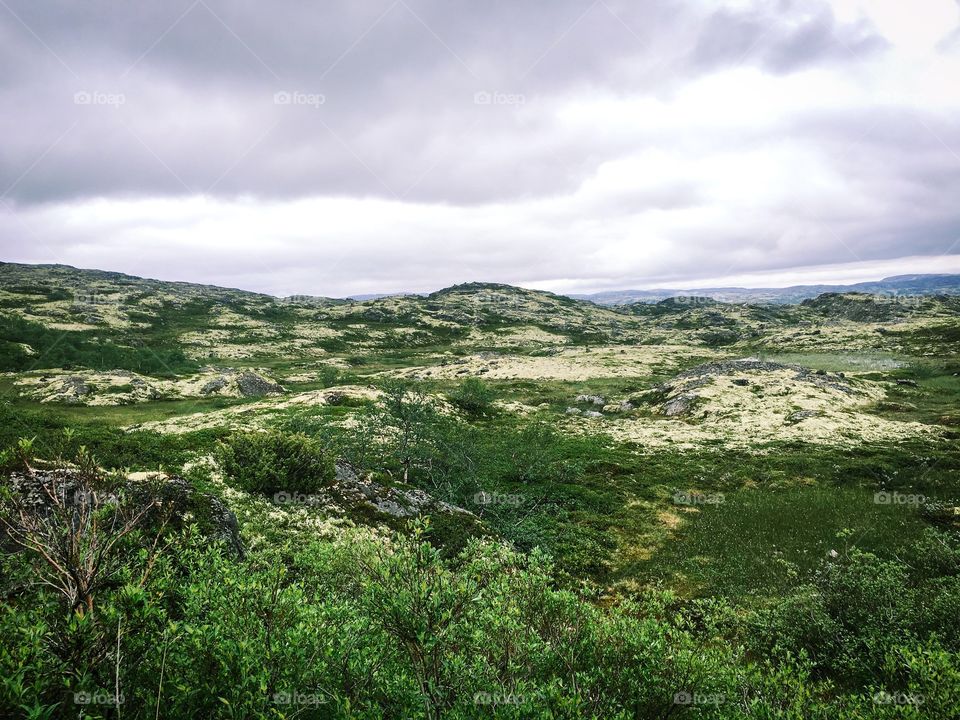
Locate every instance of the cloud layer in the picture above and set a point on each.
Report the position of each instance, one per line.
(361, 147)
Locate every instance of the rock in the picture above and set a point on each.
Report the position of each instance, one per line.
(611, 408)
(213, 517)
(592, 413)
(626, 406)
(800, 415)
(742, 382)
(215, 385)
(731, 367)
(573, 411)
(905, 382)
(593, 399)
(252, 385)
(680, 405)
(352, 492)
(74, 388)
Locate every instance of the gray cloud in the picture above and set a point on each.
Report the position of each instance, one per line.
(398, 81)
(422, 142)
(783, 37)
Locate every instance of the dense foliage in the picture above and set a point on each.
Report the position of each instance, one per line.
(395, 627)
(368, 628)
(272, 462)
(51, 348)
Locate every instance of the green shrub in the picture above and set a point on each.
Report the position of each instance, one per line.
(474, 397)
(269, 462)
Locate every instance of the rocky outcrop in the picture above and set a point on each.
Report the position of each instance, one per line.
(354, 492)
(122, 387)
(252, 385)
(73, 389)
(177, 499)
(734, 367)
(237, 383)
(680, 405)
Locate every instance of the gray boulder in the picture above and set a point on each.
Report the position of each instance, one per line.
(680, 405)
(252, 385)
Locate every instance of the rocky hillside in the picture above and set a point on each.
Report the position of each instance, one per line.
(57, 317)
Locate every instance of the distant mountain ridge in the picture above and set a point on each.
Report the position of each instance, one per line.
(917, 284)
(67, 276)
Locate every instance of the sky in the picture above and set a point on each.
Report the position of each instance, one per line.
(371, 146)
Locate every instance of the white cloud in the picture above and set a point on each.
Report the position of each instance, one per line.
(653, 154)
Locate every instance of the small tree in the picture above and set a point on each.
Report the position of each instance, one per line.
(408, 419)
(423, 606)
(72, 522)
(474, 397)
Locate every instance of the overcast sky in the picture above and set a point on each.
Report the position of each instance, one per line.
(355, 146)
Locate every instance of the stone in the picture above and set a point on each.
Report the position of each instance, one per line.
(252, 385)
(215, 385)
(680, 405)
(213, 516)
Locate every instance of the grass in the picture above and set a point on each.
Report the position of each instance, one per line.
(606, 522)
(840, 362)
(762, 542)
(760, 487)
(123, 415)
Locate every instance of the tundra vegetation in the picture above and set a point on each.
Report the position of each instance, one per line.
(485, 502)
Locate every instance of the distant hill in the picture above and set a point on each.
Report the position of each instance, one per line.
(895, 285)
(55, 316)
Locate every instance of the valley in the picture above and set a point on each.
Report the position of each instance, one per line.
(690, 450)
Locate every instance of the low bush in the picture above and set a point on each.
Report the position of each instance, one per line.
(269, 462)
(473, 397)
